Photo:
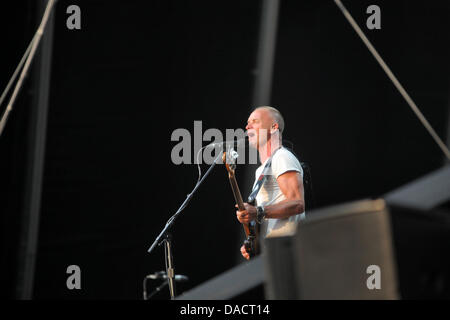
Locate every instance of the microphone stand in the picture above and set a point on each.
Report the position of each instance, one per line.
(169, 266)
(168, 251)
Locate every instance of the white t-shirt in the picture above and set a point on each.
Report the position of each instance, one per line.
(270, 193)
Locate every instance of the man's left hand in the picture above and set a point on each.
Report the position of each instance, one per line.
(247, 215)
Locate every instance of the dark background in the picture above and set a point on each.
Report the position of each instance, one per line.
(138, 70)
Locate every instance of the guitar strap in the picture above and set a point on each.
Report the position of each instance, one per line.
(262, 178)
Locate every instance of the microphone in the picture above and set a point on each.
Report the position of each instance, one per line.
(236, 143)
(163, 275)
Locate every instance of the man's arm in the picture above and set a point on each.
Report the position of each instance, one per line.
(291, 185)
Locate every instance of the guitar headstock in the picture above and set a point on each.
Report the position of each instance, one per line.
(229, 159)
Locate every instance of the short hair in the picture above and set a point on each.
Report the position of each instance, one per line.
(276, 115)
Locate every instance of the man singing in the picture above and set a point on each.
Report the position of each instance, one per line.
(280, 200)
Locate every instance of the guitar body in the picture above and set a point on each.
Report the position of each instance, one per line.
(251, 229)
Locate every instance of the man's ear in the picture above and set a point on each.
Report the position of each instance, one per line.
(274, 128)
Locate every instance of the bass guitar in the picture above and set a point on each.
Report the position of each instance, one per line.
(250, 229)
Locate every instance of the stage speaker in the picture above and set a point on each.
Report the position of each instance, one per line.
(337, 253)
(422, 242)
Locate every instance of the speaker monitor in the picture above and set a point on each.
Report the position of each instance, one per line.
(340, 252)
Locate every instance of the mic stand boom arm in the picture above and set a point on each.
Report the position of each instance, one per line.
(169, 261)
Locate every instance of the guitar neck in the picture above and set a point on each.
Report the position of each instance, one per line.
(239, 202)
(237, 193)
(250, 229)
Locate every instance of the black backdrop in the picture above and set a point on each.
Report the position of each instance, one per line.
(138, 70)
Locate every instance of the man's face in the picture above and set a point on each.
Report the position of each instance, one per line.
(258, 127)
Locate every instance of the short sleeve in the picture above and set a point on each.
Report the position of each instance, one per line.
(284, 161)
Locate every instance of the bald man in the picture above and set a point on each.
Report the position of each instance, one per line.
(280, 200)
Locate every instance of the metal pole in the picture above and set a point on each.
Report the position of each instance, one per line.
(446, 160)
(35, 165)
(170, 270)
(266, 52)
(262, 88)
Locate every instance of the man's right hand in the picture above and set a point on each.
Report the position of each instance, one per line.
(245, 253)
